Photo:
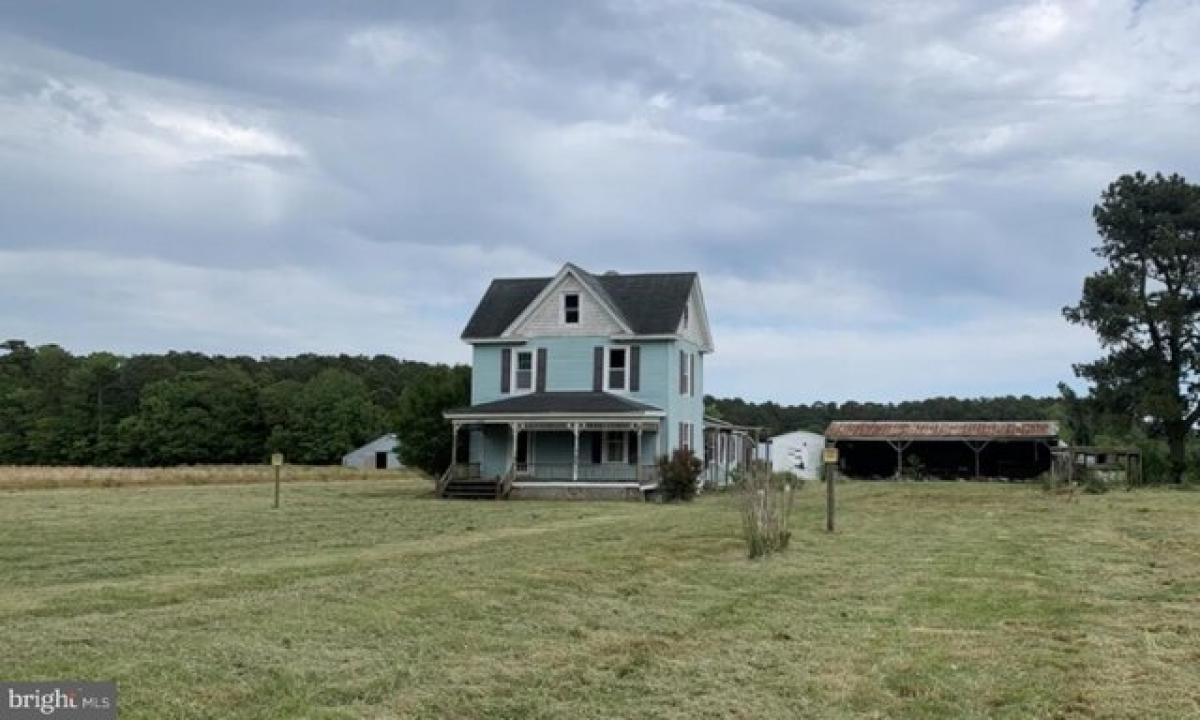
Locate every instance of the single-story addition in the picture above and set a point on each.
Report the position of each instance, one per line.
(379, 454)
(728, 450)
(1012, 450)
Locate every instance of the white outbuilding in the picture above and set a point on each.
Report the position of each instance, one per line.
(379, 454)
(798, 452)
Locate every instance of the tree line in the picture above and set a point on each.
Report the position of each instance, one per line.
(57, 408)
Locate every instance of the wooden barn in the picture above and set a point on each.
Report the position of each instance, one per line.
(947, 450)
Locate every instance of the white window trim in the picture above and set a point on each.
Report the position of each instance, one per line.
(692, 374)
(608, 366)
(685, 376)
(533, 370)
(562, 307)
(624, 435)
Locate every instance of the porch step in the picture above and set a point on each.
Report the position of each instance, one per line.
(472, 489)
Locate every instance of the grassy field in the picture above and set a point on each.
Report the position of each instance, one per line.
(373, 600)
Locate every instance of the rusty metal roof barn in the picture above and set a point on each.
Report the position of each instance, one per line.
(1025, 430)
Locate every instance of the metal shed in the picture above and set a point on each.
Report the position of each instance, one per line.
(1015, 450)
(379, 454)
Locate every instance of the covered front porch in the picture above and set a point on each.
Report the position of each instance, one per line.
(578, 451)
(577, 442)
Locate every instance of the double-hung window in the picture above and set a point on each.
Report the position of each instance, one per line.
(617, 372)
(571, 308)
(615, 446)
(523, 371)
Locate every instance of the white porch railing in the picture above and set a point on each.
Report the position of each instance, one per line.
(587, 473)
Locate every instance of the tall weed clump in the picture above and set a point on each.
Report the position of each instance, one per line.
(766, 504)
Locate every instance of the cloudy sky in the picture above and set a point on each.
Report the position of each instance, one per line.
(886, 200)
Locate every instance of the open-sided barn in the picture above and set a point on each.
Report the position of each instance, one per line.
(1017, 450)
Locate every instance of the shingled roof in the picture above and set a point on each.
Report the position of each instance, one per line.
(557, 402)
(886, 430)
(649, 303)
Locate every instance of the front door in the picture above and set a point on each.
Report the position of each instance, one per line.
(524, 453)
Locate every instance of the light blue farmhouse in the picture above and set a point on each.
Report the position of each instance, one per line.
(580, 382)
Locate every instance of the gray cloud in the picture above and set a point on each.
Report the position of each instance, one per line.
(887, 200)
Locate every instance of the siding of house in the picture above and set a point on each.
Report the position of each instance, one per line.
(685, 407)
(570, 368)
(546, 318)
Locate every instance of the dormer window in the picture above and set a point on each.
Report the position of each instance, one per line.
(571, 308)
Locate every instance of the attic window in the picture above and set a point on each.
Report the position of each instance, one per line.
(571, 308)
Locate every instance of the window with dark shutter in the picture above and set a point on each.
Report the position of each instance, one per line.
(692, 374)
(542, 358)
(635, 368)
(598, 369)
(505, 370)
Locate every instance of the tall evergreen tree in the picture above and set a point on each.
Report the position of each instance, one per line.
(1145, 303)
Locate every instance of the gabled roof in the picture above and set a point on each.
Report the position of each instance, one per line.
(580, 403)
(1021, 430)
(648, 303)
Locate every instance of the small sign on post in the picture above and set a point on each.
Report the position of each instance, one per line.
(830, 458)
(277, 464)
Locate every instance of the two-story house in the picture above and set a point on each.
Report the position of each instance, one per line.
(580, 382)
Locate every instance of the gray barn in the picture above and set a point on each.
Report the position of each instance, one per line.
(379, 454)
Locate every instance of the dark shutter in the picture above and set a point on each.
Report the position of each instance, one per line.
(633, 448)
(541, 370)
(682, 373)
(692, 375)
(505, 369)
(635, 368)
(598, 369)
(597, 447)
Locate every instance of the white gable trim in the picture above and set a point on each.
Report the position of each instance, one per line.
(551, 290)
(705, 330)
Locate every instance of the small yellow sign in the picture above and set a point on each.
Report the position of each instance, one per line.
(830, 456)
(276, 459)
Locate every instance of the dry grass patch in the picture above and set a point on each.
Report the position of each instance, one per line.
(31, 477)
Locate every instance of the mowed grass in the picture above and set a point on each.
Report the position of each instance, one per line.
(374, 600)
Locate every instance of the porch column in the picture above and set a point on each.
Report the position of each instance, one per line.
(637, 467)
(575, 456)
(453, 444)
(514, 428)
